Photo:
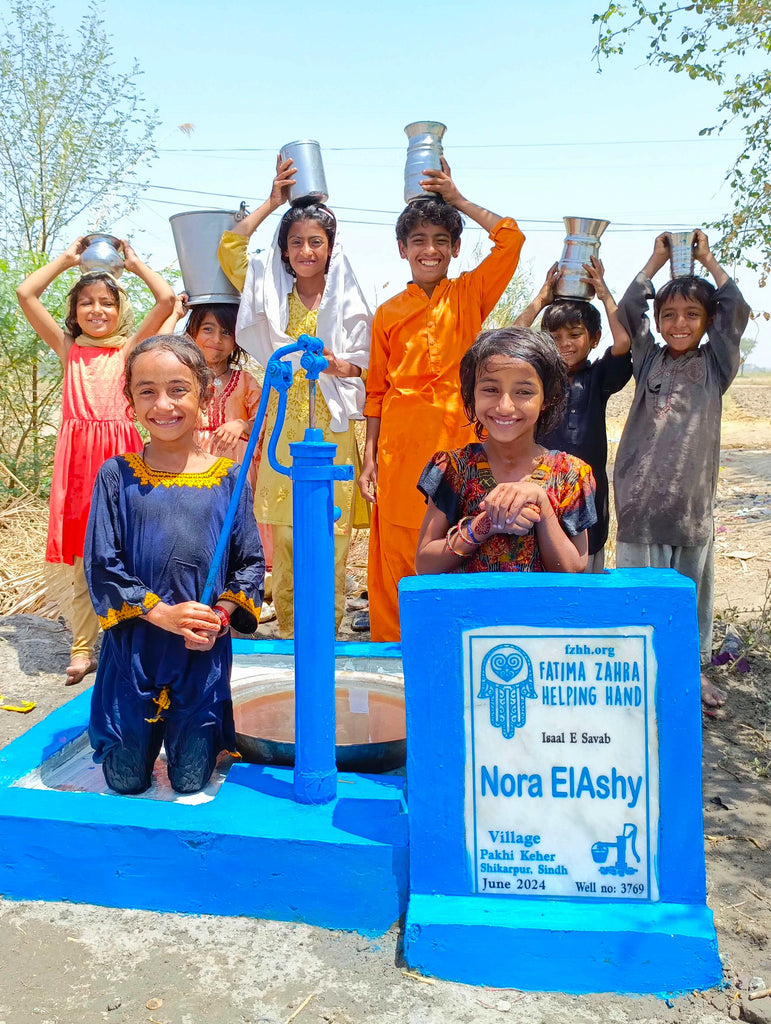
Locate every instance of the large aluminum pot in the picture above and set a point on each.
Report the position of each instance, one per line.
(681, 253)
(424, 152)
(102, 252)
(197, 237)
(310, 185)
(582, 240)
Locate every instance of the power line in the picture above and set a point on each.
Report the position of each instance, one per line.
(615, 225)
(479, 146)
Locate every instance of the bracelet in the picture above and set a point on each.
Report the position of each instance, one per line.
(450, 536)
(466, 540)
(224, 617)
(468, 521)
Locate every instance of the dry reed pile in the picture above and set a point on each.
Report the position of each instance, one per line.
(23, 588)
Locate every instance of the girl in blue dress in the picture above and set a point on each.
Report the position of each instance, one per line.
(164, 669)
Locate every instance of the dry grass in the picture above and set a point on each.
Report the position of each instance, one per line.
(23, 527)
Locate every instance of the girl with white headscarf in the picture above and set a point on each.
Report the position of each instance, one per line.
(303, 284)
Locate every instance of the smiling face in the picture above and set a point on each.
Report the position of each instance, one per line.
(97, 310)
(574, 343)
(681, 323)
(215, 341)
(508, 399)
(429, 249)
(307, 248)
(166, 396)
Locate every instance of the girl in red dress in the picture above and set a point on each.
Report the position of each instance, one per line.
(96, 421)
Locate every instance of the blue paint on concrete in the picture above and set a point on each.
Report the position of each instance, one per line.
(562, 946)
(343, 648)
(648, 947)
(252, 850)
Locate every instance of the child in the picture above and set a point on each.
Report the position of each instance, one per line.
(227, 420)
(505, 503)
(413, 406)
(302, 285)
(164, 670)
(576, 328)
(92, 346)
(667, 464)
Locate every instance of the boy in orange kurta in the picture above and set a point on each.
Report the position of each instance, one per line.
(413, 406)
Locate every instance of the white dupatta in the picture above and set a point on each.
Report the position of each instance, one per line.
(343, 324)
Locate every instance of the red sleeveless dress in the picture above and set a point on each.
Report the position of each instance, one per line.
(96, 424)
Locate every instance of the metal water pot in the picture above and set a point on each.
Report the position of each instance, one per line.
(197, 237)
(582, 240)
(424, 151)
(102, 252)
(681, 253)
(310, 184)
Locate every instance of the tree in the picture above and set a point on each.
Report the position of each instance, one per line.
(73, 128)
(517, 296)
(73, 132)
(720, 41)
(746, 347)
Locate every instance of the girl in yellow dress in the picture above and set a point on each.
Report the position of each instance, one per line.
(302, 284)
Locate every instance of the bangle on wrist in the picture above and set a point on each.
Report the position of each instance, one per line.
(470, 539)
(452, 535)
(224, 617)
(455, 533)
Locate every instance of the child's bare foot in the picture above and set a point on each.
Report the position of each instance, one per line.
(79, 667)
(711, 695)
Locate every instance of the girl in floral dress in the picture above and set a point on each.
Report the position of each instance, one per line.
(505, 503)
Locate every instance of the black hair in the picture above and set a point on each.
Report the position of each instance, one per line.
(71, 324)
(690, 288)
(534, 347)
(225, 313)
(429, 211)
(186, 351)
(313, 211)
(568, 312)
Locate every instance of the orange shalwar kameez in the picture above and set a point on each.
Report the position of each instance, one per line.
(413, 387)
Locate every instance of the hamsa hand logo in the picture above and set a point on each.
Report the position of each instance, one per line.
(507, 682)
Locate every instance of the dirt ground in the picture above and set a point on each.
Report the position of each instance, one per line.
(62, 963)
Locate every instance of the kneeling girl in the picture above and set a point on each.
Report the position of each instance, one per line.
(164, 669)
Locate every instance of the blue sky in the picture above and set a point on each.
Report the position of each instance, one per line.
(533, 130)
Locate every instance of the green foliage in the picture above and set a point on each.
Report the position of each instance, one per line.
(746, 348)
(517, 296)
(31, 376)
(73, 130)
(30, 382)
(721, 42)
(72, 127)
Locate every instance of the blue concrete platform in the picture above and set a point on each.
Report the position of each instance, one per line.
(251, 850)
(578, 940)
(556, 946)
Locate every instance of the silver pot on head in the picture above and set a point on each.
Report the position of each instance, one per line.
(310, 182)
(102, 252)
(424, 152)
(681, 260)
(582, 241)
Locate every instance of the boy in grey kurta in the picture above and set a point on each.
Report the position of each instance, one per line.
(667, 464)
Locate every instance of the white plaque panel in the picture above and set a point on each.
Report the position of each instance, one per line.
(562, 793)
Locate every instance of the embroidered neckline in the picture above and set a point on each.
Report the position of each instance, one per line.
(212, 477)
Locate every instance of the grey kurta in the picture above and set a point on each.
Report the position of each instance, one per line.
(667, 463)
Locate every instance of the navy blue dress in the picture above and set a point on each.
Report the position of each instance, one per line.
(150, 538)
